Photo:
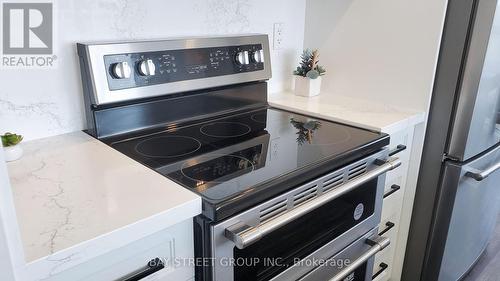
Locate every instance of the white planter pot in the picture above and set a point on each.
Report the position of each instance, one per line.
(13, 153)
(307, 87)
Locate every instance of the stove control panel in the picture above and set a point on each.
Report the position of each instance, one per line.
(133, 70)
(115, 72)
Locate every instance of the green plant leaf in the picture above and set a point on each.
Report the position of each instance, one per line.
(312, 74)
(9, 139)
(320, 69)
(309, 62)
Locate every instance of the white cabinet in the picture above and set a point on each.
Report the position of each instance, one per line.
(173, 246)
(396, 209)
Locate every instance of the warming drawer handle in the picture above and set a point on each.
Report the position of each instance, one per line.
(377, 245)
(243, 235)
(481, 175)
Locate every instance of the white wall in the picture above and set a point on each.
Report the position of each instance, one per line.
(39, 103)
(384, 50)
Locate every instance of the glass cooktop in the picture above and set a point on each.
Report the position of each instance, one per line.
(222, 158)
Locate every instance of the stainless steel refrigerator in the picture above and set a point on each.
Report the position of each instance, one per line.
(458, 190)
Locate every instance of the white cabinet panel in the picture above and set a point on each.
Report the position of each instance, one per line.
(174, 246)
(397, 207)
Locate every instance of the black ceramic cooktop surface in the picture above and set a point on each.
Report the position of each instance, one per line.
(230, 156)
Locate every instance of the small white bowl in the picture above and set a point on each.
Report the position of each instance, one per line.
(12, 153)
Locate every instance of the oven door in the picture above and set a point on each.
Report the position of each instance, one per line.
(314, 221)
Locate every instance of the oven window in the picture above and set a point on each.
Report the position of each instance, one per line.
(275, 252)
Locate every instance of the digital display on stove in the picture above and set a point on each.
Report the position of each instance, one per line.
(194, 57)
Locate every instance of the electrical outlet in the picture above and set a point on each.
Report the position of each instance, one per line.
(278, 35)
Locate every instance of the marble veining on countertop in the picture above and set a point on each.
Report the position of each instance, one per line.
(353, 111)
(71, 189)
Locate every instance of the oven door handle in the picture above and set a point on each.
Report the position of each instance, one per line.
(377, 245)
(243, 235)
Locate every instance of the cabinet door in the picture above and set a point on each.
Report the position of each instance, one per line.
(173, 246)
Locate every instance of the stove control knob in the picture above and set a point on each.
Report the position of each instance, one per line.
(147, 68)
(121, 70)
(242, 58)
(258, 56)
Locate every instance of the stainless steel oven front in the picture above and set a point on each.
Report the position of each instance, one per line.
(301, 234)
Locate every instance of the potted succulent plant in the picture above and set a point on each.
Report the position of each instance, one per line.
(308, 74)
(10, 143)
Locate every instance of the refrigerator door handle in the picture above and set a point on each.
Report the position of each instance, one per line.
(481, 175)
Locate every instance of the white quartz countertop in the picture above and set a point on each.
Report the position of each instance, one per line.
(357, 112)
(76, 197)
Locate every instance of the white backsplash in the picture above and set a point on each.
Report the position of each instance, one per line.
(40, 103)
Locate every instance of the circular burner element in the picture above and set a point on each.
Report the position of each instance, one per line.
(167, 146)
(259, 118)
(225, 129)
(217, 168)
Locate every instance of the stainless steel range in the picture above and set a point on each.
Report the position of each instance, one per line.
(285, 196)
